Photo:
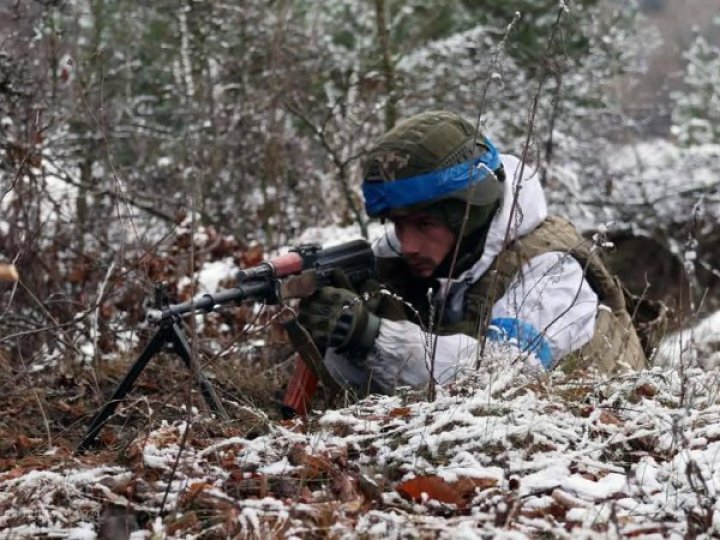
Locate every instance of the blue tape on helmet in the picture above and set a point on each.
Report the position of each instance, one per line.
(382, 197)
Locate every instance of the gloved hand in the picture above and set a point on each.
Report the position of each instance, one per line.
(335, 317)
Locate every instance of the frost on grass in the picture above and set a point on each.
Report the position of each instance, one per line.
(699, 345)
(504, 453)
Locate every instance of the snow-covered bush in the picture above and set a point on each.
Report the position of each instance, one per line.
(696, 116)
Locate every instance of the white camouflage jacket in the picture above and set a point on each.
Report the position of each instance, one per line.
(548, 310)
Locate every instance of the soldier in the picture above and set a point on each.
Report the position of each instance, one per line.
(468, 228)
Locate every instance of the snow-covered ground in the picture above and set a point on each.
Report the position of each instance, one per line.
(699, 345)
(506, 454)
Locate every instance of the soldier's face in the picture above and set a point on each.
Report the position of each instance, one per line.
(424, 241)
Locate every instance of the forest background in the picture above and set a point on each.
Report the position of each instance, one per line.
(180, 141)
(121, 122)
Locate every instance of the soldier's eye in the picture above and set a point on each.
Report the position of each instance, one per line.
(426, 224)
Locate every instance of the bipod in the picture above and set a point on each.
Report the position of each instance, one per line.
(169, 336)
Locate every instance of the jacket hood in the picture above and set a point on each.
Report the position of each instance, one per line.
(529, 212)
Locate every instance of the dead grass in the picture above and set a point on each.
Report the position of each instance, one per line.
(52, 408)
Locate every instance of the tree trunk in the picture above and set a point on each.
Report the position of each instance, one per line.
(388, 68)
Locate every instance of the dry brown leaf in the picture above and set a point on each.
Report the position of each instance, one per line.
(8, 272)
(227, 461)
(186, 521)
(297, 454)
(305, 495)
(466, 486)
(194, 490)
(13, 473)
(647, 530)
(78, 273)
(106, 310)
(242, 485)
(252, 256)
(433, 486)
(74, 411)
(23, 442)
(646, 390)
(607, 417)
(108, 437)
(315, 466)
(61, 406)
(554, 509)
(399, 412)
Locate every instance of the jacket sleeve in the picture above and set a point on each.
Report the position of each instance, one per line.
(401, 357)
(548, 309)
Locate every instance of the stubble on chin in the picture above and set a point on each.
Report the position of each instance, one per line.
(422, 267)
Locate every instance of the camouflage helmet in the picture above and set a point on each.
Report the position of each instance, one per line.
(430, 158)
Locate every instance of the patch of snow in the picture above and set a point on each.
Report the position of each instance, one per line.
(329, 236)
(562, 456)
(699, 344)
(212, 273)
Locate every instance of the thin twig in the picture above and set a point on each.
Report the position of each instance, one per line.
(496, 60)
(98, 304)
(518, 177)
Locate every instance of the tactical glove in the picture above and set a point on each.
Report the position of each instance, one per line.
(336, 318)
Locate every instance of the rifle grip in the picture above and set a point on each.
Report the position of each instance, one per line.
(301, 388)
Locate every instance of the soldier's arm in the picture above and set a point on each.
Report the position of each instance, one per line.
(547, 311)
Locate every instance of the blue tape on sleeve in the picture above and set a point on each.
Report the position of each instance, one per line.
(525, 335)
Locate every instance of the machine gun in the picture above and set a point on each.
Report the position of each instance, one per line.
(296, 274)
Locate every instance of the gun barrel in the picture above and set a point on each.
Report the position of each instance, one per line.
(256, 290)
(355, 258)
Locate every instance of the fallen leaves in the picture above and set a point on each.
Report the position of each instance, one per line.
(400, 412)
(642, 391)
(23, 444)
(244, 485)
(19, 445)
(75, 411)
(194, 490)
(532, 465)
(182, 522)
(8, 272)
(431, 487)
(608, 417)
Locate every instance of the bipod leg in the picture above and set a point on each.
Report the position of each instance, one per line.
(156, 344)
(181, 347)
